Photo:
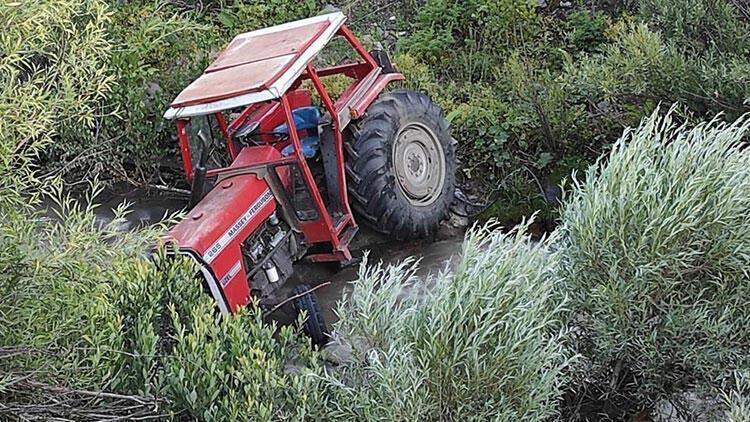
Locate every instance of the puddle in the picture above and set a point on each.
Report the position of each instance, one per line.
(434, 257)
(145, 209)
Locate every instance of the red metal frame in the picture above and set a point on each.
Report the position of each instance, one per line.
(270, 114)
(330, 107)
(187, 161)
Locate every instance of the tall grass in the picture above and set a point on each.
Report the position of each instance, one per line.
(482, 342)
(656, 256)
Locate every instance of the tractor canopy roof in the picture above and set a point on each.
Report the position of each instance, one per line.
(256, 66)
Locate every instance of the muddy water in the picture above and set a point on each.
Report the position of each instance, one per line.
(434, 256)
(144, 208)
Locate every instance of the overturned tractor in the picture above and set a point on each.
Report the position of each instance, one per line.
(277, 165)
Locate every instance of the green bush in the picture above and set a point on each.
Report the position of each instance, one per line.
(586, 31)
(54, 79)
(239, 368)
(656, 257)
(65, 279)
(640, 69)
(464, 38)
(737, 400)
(483, 342)
(697, 25)
(88, 320)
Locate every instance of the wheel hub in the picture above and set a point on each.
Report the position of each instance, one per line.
(419, 164)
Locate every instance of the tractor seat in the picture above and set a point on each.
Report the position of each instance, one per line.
(305, 118)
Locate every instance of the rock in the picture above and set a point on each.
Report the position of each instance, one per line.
(338, 352)
(454, 226)
(697, 407)
(152, 88)
(329, 8)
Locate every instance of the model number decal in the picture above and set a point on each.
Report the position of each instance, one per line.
(238, 225)
(230, 274)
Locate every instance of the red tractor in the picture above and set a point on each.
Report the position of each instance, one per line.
(276, 170)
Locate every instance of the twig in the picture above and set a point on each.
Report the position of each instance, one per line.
(378, 10)
(63, 390)
(291, 298)
(166, 188)
(147, 185)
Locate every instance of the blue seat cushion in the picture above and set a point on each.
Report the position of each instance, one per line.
(304, 118)
(309, 147)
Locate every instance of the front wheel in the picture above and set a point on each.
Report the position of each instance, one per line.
(401, 165)
(314, 326)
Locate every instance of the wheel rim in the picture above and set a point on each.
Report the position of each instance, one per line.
(419, 163)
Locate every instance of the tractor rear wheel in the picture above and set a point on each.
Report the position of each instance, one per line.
(401, 165)
(314, 325)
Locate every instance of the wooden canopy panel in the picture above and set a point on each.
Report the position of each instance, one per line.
(253, 61)
(253, 48)
(231, 81)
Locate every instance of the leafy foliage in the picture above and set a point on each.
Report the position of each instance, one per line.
(700, 24)
(139, 336)
(461, 37)
(656, 254)
(54, 79)
(481, 342)
(737, 400)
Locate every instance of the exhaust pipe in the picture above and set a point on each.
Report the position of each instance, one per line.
(199, 173)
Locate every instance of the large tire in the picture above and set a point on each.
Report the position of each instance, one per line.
(314, 326)
(401, 165)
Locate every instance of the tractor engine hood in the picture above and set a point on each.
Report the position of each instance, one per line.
(213, 231)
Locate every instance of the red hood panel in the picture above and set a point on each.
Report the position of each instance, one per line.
(230, 212)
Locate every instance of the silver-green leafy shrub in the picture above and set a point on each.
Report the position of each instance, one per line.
(63, 279)
(483, 342)
(239, 368)
(737, 399)
(656, 256)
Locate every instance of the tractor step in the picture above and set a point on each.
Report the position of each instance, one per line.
(348, 235)
(342, 254)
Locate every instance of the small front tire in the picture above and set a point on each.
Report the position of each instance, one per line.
(314, 325)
